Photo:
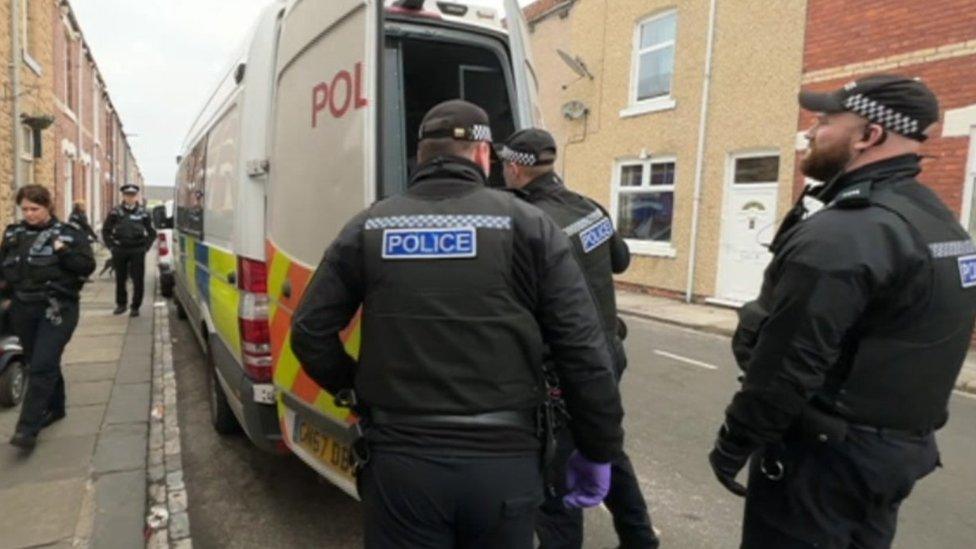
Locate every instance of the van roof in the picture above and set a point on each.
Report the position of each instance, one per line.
(460, 12)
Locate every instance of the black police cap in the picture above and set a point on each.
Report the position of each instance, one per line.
(456, 119)
(129, 188)
(903, 105)
(530, 147)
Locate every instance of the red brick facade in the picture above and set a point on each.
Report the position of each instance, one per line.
(934, 40)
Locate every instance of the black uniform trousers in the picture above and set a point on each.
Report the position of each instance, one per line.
(559, 527)
(834, 495)
(441, 502)
(43, 343)
(129, 264)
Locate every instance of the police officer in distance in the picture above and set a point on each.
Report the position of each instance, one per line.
(79, 217)
(527, 158)
(852, 348)
(461, 287)
(44, 264)
(129, 233)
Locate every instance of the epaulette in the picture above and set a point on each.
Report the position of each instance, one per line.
(856, 196)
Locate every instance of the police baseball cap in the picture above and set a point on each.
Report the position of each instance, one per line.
(130, 188)
(531, 147)
(903, 105)
(456, 119)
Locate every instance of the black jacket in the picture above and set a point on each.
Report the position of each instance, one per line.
(599, 249)
(862, 313)
(462, 334)
(80, 220)
(128, 230)
(32, 269)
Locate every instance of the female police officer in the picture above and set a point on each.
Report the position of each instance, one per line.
(44, 264)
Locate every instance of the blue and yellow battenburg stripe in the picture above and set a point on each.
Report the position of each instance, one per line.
(207, 270)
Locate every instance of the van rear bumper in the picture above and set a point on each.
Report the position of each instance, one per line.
(258, 418)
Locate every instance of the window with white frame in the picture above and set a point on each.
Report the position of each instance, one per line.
(69, 74)
(653, 61)
(27, 153)
(645, 204)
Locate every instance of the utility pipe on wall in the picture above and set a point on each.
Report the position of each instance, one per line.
(700, 160)
(15, 55)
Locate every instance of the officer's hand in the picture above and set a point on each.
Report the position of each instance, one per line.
(727, 459)
(587, 482)
(58, 245)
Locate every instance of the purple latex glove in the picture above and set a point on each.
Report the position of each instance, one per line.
(587, 482)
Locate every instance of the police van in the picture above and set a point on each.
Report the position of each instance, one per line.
(317, 118)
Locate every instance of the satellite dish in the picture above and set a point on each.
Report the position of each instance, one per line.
(574, 110)
(575, 64)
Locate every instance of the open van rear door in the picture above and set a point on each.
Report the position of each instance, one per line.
(322, 172)
(526, 80)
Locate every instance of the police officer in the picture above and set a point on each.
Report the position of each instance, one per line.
(527, 158)
(864, 319)
(79, 218)
(129, 233)
(461, 287)
(44, 264)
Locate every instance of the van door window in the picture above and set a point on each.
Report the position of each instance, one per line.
(421, 73)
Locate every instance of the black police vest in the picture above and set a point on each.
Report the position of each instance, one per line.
(130, 229)
(904, 367)
(590, 230)
(31, 266)
(445, 330)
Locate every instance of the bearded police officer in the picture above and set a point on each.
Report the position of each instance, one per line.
(44, 264)
(864, 319)
(527, 158)
(461, 288)
(129, 233)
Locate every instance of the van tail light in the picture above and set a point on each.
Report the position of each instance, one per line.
(163, 248)
(252, 317)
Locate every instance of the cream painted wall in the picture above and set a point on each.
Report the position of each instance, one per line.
(756, 74)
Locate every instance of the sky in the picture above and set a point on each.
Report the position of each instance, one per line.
(161, 60)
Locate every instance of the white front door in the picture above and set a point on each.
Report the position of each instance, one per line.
(748, 225)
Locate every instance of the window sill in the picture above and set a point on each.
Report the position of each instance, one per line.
(655, 249)
(652, 105)
(34, 65)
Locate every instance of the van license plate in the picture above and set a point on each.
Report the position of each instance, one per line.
(264, 393)
(326, 450)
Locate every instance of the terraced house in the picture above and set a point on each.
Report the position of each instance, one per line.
(680, 117)
(58, 126)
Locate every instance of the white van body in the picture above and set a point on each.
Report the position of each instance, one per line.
(316, 119)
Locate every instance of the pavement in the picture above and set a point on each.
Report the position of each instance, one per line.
(84, 485)
(722, 320)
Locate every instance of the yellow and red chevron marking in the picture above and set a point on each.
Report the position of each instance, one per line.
(288, 373)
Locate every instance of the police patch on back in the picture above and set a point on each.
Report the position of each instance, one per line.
(596, 234)
(430, 243)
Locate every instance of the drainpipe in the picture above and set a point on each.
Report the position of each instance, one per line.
(700, 160)
(15, 54)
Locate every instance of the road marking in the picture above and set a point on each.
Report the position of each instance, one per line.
(964, 394)
(686, 360)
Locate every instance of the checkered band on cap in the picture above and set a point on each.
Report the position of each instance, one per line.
(517, 157)
(480, 133)
(433, 221)
(881, 114)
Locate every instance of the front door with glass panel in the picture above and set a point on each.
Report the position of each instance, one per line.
(748, 225)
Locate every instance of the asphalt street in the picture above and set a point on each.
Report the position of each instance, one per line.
(675, 389)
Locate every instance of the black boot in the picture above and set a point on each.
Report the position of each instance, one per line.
(119, 310)
(134, 312)
(23, 441)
